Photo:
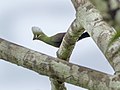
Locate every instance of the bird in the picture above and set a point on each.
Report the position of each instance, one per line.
(54, 40)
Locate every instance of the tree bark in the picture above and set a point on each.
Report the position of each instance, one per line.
(50, 66)
(89, 17)
(69, 40)
(101, 32)
(66, 48)
(57, 68)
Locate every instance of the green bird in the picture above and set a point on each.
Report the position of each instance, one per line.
(54, 40)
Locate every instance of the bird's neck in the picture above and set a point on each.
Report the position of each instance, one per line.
(46, 39)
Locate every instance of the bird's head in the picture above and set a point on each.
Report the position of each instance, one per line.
(37, 32)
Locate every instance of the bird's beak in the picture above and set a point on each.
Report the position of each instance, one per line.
(33, 38)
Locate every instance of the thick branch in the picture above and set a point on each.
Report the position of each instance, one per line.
(66, 48)
(74, 32)
(100, 31)
(110, 11)
(56, 68)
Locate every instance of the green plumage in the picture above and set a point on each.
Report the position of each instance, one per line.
(54, 40)
(57, 39)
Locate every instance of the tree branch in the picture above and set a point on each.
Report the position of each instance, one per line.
(102, 34)
(62, 71)
(74, 32)
(100, 31)
(66, 48)
(56, 68)
(110, 11)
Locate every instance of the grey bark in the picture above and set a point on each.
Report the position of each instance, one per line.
(66, 48)
(53, 67)
(90, 18)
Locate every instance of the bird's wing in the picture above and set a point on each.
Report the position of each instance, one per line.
(57, 38)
